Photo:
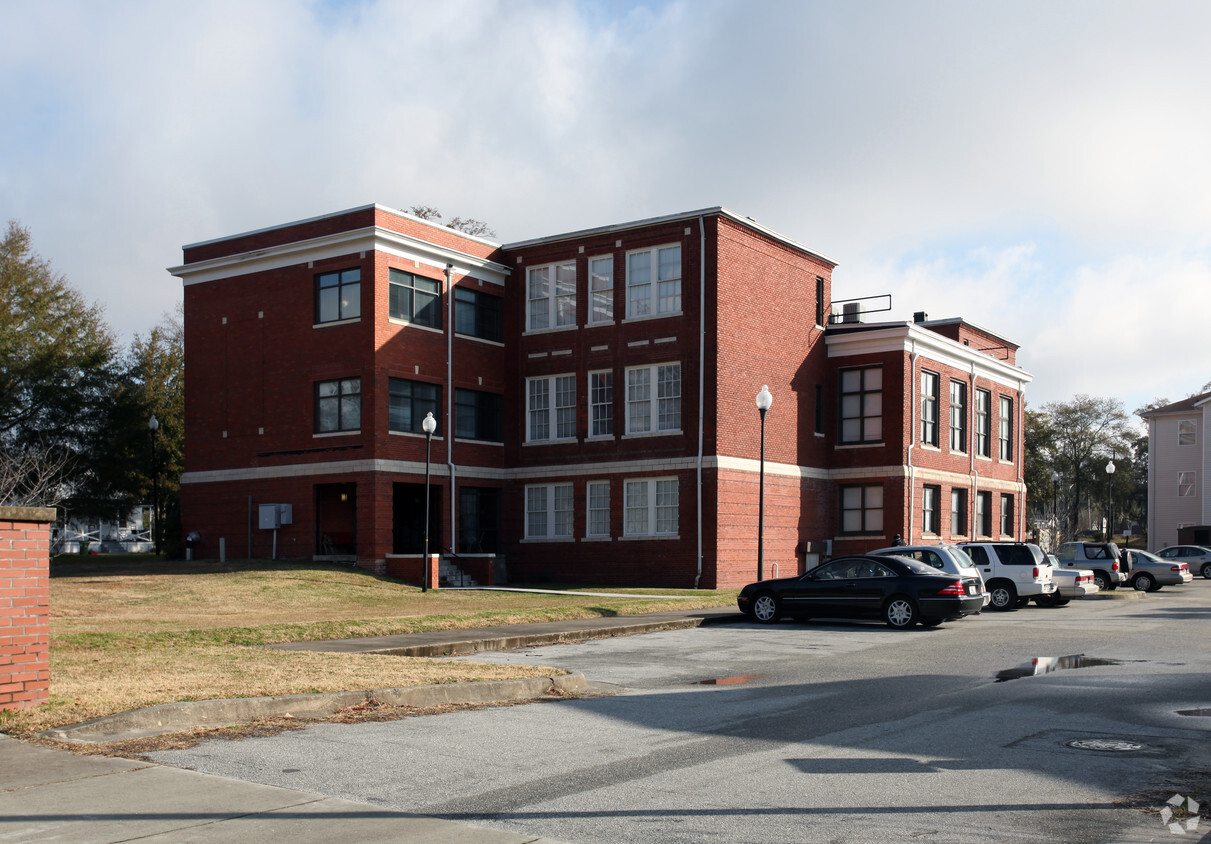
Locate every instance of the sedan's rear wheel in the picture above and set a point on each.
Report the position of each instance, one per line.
(767, 608)
(900, 613)
(1143, 582)
(1206, 571)
(1003, 596)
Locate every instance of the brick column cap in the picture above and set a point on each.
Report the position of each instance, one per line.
(27, 514)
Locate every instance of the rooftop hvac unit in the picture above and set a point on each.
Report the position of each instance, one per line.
(851, 312)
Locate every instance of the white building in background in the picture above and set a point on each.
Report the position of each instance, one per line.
(1179, 473)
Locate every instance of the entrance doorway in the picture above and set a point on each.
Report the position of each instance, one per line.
(408, 518)
(336, 520)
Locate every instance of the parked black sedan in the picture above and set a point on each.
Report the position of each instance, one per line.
(901, 591)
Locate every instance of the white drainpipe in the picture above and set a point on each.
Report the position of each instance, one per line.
(450, 400)
(701, 380)
(912, 437)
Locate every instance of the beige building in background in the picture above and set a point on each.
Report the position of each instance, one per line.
(1179, 473)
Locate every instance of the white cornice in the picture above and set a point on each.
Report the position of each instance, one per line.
(903, 337)
(367, 239)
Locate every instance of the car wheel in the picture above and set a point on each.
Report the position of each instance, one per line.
(1004, 597)
(930, 622)
(1102, 580)
(767, 608)
(1060, 602)
(1023, 602)
(1046, 600)
(1206, 570)
(900, 613)
(1143, 582)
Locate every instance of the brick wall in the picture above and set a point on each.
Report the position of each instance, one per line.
(24, 606)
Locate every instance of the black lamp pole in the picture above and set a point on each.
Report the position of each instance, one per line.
(429, 425)
(153, 425)
(764, 400)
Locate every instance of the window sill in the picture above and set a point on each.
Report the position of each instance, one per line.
(931, 447)
(602, 324)
(326, 434)
(860, 536)
(414, 435)
(483, 340)
(646, 434)
(549, 540)
(646, 317)
(550, 442)
(600, 438)
(416, 325)
(478, 442)
(649, 537)
(846, 446)
(334, 322)
(597, 539)
(532, 332)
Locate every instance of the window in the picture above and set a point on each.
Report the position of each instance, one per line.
(1185, 484)
(930, 499)
(1186, 432)
(597, 522)
(984, 513)
(983, 423)
(551, 295)
(414, 298)
(477, 314)
(551, 405)
(654, 410)
(658, 268)
(601, 289)
(477, 415)
(650, 508)
(338, 295)
(338, 405)
(929, 408)
(862, 405)
(601, 404)
(958, 511)
(408, 402)
(1007, 524)
(549, 512)
(958, 416)
(1005, 429)
(862, 509)
(819, 300)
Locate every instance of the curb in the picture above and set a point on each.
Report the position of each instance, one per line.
(170, 717)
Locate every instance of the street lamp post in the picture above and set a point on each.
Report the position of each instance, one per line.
(764, 400)
(153, 425)
(429, 425)
(1110, 498)
(1055, 513)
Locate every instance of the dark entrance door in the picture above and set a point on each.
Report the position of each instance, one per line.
(336, 520)
(408, 518)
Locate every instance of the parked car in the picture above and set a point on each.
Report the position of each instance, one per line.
(1149, 572)
(901, 591)
(1014, 572)
(943, 556)
(1103, 557)
(1196, 557)
(1069, 584)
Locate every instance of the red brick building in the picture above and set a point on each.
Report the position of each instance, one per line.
(600, 389)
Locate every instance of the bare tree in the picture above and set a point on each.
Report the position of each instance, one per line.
(466, 225)
(33, 477)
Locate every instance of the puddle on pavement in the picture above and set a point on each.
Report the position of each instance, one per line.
(1047, 664)
(1197, 713)
(729, 681)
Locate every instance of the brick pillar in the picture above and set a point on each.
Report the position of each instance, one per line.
(24, 606)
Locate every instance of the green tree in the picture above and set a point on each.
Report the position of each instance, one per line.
(56, 366)
(1085, 433)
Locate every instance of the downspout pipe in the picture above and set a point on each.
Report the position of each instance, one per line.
(913, 427)
(701, 382)
(1019, 446)
(449, 429)
(971, 447)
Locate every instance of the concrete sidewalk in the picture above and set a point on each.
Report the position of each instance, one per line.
(55, 795)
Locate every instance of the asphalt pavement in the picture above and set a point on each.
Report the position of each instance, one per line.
(50, 794)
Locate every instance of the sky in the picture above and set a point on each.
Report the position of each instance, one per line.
(1041, 169)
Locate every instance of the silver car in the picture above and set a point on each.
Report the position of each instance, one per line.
(949, 558)
(1149, 572)
(1196, 557)
(1069, 583)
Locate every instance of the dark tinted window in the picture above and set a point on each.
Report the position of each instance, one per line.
(1016, 555)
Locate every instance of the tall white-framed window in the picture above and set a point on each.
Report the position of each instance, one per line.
(549, 511)
(650, 507)
(601, 289)
(958, 416)
(551, 408)
(929, 407)
(1185, 484)
(1005, 429)
(654, 398)
(983, 423)
(601, 403)
(930, 500)
(551, 296)
(984, 513)
(1187, 432)
(1007, 522)
(597, 500)
(862, 405)
(654, 281)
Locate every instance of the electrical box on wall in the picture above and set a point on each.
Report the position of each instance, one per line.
(273, 516)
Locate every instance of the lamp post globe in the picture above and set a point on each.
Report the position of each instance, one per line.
(764, 399)
(428, 425)
(1110, 498)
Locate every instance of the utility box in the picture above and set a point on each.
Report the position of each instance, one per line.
(273, 516)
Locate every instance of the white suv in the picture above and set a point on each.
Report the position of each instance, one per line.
(1014, 572)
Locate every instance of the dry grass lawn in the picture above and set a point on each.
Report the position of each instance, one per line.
(130, 632)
